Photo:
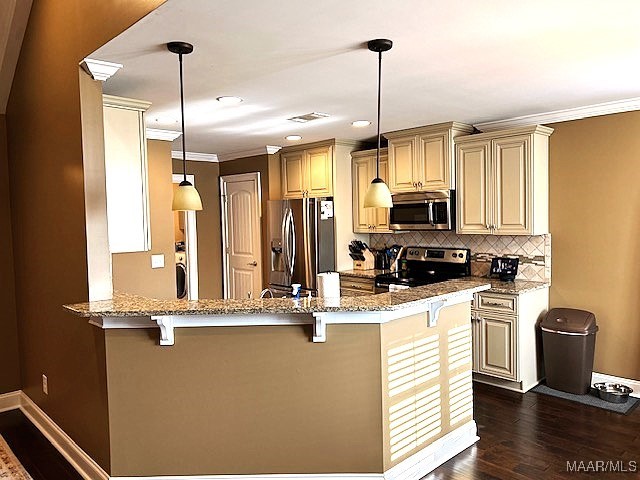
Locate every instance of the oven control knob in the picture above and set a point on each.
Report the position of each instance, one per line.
(455, 255)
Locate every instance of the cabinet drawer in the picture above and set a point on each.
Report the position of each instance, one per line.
(494, 302)
(358, 284)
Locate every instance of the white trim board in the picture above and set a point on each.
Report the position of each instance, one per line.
(195, 156)
(9, 401)
(159, 134)
(565, 115)
(602, 377)
(267, 149)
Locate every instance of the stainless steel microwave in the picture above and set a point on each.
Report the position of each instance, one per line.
(433, 210)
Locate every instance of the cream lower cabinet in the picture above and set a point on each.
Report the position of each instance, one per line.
(503, 182)
(363, 171)
(126, 174)
(307, 172)
(423, 158)
(506, 340)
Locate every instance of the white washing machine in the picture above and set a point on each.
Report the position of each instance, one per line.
(181, 274)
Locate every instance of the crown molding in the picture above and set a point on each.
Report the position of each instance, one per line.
(267, 149)
(607, 108)
(158, 134)
(124, 102)
(99, 69)
(195, 156)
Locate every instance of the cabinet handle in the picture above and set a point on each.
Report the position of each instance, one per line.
(494, 304)
(420, 185)
(253, 264)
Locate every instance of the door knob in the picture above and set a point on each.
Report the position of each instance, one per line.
(253, 264)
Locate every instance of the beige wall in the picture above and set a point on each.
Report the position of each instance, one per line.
(595, 228)
(48, 215)
(132, 272)
(207, 178)
(9, 367)
(257, 163)
(243, 400)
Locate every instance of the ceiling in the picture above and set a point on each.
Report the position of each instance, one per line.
(460, 60)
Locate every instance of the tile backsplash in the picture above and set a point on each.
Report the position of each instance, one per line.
(534, 252)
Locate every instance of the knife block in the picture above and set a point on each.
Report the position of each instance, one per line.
(369, 262)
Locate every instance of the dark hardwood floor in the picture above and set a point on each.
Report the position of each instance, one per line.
(522, 437)
(533, 436)
(37, 455)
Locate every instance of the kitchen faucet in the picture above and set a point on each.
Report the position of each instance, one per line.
(264, 292)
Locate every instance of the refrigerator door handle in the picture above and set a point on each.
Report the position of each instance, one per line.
(292, 234)
(285, 248)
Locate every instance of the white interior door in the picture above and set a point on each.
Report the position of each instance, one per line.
(241, 212)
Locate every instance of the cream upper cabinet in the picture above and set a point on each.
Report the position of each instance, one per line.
(307, 173)
(363, 171)
(126, 174)
(404, 166)
(503, 182)
(423, 158)
(293, 174)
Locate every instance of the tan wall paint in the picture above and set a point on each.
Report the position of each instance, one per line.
(257, 163)
(9, 364)
(132, 272)
(207, 181)
(48, 217)
(245, 400)
(595, 226)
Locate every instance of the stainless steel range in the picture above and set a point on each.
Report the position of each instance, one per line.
(423, 266)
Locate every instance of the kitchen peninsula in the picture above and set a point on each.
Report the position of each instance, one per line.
(376, 386)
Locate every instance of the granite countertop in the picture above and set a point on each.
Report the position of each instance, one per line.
(514, 288)
(363, 273)
(126, 305)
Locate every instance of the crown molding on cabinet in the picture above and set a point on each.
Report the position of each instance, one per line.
(195, 156)
(159, 134)
(124, 102)
(607, 108)
(99, 69)
(268, 149)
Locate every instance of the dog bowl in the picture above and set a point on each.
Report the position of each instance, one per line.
(613, 392)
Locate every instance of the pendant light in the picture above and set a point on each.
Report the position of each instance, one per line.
(378, 194)
(186, 197)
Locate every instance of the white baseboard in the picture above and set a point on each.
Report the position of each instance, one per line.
(601, 377)
(10, 401)
(412, 468)
(78, 458)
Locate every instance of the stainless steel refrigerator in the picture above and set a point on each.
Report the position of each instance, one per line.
(302, 243)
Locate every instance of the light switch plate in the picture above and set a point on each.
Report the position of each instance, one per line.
(157, 260)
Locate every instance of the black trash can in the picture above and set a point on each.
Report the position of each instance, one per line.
(568, 343)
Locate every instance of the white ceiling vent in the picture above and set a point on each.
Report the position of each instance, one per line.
(308, 117)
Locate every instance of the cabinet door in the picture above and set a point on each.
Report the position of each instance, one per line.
(125, 157)
(512, 177)
(497, 343)
(319, 171)
(293, 174)
(435, 167)
(380, 216)
(402, 165)
(474, 188)
(361, 177)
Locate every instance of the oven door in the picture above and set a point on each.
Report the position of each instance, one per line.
(422, 211)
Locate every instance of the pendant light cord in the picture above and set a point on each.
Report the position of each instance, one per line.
(379, 81)
(184, 155)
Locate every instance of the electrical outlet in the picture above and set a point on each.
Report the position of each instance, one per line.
(45, 384)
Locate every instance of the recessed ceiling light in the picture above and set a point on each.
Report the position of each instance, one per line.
(361, 123)
(228, 100)
(293, 137)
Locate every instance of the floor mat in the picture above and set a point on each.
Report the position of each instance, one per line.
(10, 466)
(590, 399)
